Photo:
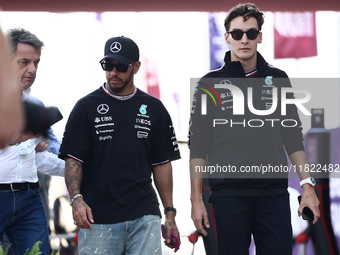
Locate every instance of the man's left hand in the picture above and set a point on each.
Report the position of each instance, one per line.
(309, 199)
(170, 226)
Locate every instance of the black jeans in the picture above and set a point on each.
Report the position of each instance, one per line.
(267, 218)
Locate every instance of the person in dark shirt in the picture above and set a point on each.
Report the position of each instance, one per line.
(115, 140)
(235, 144)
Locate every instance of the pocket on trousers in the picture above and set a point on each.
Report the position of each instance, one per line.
(35, 191)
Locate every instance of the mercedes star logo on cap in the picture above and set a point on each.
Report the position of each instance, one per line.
(115, 47)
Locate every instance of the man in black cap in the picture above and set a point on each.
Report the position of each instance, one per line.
(115, 139)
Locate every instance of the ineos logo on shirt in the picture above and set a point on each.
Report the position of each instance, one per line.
(103, 108)
(115, 47)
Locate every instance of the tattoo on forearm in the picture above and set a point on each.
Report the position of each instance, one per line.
(73, 175)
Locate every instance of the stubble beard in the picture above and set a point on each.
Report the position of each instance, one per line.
(118, 90)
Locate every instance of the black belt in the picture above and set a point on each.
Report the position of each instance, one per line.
(20, 186)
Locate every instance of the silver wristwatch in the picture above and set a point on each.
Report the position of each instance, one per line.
(310, 180)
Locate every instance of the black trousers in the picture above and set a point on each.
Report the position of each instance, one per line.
(268, 218)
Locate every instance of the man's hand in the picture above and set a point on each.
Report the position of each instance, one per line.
(309, 199)
(163, 181)
(42, 145)
(199, 214)
(198, 210)
(170, 226)
(82, 214)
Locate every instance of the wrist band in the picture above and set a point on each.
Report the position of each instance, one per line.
(75, 197)
(170, 209)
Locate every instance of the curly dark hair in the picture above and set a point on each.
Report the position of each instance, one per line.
(246, 11)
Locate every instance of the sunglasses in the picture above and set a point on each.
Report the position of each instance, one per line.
(107, 66)
(237, 34)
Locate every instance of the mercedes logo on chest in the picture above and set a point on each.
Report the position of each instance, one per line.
(103, 108)
(115, 47)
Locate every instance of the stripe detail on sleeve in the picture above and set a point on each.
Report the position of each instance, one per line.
(75, 158)
(160, 163)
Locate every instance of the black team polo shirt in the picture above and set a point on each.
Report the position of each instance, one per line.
(118, 142)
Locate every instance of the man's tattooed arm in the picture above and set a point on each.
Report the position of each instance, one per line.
(73, 176)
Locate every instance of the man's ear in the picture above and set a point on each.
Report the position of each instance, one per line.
(136, 67)
(226, 37)
(260, 37)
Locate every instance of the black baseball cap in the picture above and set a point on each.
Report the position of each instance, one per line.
(122, 49)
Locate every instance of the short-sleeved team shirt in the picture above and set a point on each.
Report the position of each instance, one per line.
(118, 142)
